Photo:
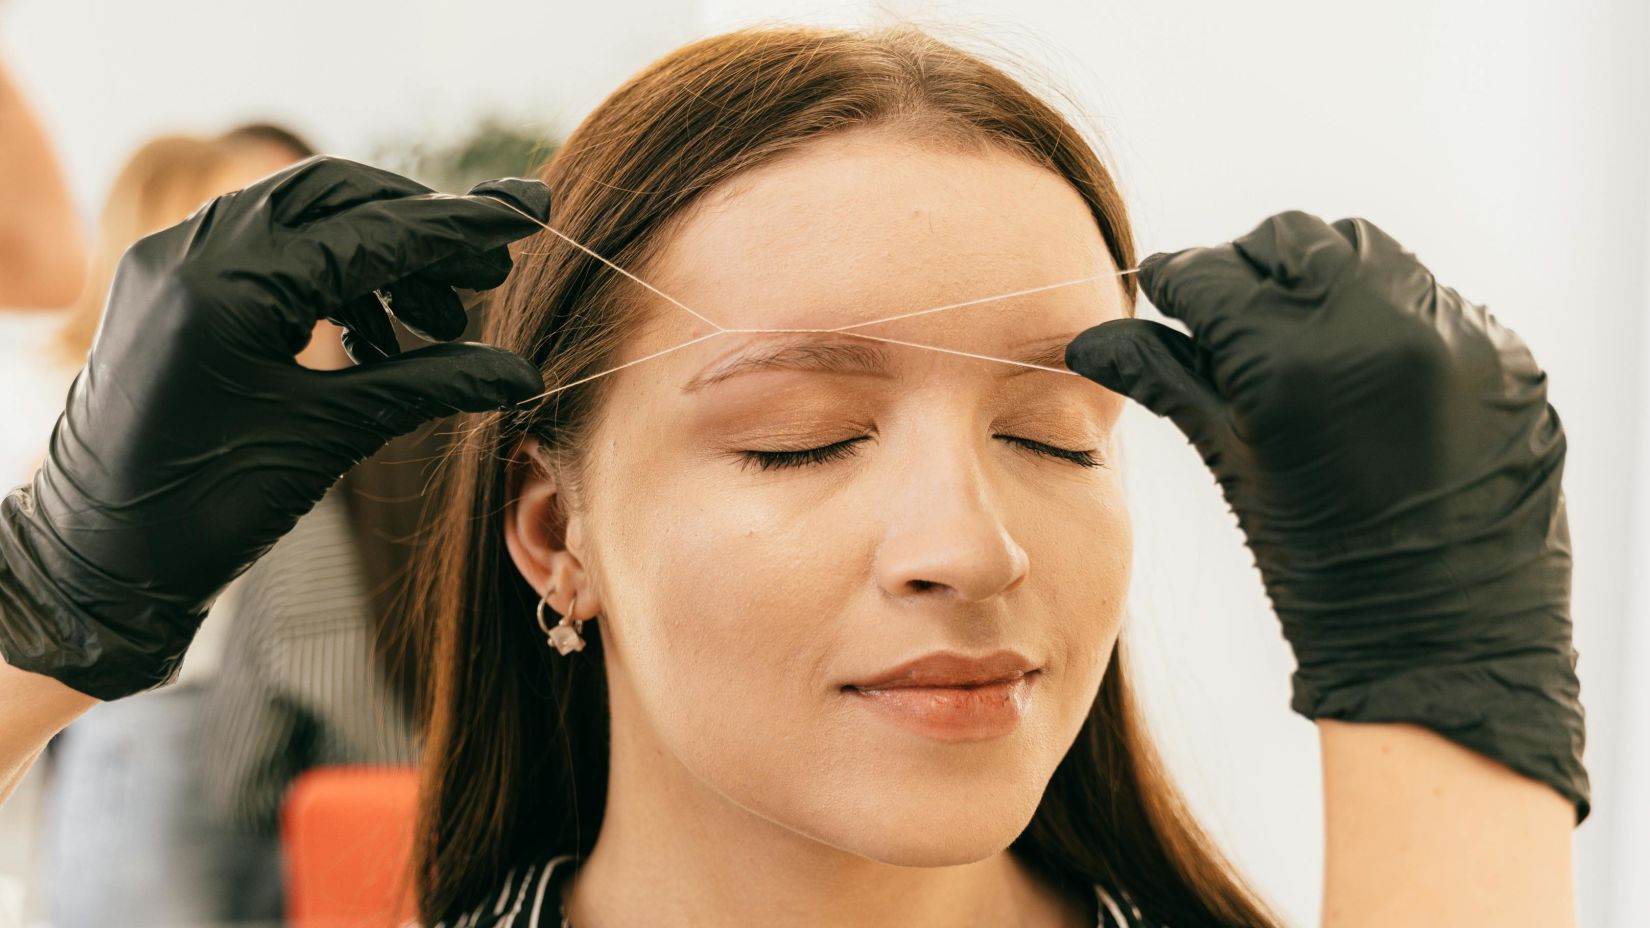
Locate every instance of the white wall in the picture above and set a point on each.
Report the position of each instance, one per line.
(1627, 848)
(351, 73)
(1507, 143)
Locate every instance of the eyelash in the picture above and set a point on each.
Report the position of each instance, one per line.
(773, 460)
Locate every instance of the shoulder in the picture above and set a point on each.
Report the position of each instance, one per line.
(527, 897)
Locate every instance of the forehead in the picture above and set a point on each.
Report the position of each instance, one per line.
(865, 224)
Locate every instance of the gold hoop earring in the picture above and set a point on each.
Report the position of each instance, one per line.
(565, 636)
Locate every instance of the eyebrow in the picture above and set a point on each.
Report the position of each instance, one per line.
(833, 353)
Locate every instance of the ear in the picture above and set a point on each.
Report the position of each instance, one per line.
(542, 538)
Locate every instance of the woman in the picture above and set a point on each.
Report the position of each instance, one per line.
(863, 176)
(771, 528)
(754, 542)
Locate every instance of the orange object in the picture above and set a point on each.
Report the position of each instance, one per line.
(346, 837)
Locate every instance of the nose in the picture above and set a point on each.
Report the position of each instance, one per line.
(945, 534)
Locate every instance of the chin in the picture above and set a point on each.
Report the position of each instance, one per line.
(937, 831)
(935, 849)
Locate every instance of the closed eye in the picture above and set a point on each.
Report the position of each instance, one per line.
(1080, 458)
(772, 460)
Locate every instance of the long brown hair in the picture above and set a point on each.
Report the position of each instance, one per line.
(516, 761)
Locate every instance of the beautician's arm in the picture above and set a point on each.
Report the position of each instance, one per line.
(42, 254)
(1391, 457)
(33, 708)
(1421, 831)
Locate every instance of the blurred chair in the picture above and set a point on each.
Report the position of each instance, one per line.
(346, 837)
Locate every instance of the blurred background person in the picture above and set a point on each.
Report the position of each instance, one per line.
(312, 675)
(42, 253)
(122, 829)
(168, 803)
(266, 145)
(162, 182)
(317, 669)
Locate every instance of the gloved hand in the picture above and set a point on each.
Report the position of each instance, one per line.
(1395, 466)
(192, 441)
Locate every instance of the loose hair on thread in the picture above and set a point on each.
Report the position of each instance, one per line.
(516, 751)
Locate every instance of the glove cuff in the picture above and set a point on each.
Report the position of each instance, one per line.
(1522, 710)
(135, 646)
(1453, 615)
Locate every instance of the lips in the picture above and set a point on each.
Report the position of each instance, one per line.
(950, 669)
(951, 697)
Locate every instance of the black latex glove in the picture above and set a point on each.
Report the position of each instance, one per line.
(1392, 459)
(192, 440)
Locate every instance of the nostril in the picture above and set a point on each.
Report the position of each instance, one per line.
(923, 585)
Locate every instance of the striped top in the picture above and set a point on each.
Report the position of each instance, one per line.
(531, 898)
(299, 685)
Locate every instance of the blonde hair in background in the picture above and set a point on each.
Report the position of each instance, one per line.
(161, 183)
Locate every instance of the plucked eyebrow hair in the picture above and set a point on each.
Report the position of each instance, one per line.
(835, 353)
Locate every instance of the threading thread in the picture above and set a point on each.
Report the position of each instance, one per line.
(847, 330)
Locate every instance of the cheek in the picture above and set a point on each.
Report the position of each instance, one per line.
(731, 601)
(705, 570)
(1087, 565)
(724, 601)
(709, 572)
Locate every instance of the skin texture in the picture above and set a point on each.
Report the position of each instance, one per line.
(1421, 831)
(33, 708)
(735, 603)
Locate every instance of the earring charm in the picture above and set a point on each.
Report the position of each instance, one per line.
(565, 636)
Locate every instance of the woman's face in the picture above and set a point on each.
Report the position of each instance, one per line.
(745, 582)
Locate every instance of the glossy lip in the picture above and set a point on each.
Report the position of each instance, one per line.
(951, 697)
(952, 713)
(950, 669)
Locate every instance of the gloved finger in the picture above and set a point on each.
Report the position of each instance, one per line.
(488, 269)
(376, 243)
(359, 349)
(1155, 366)
(1298, 251)
(401, 393)
(528, 195)
(429, 309)
(482, 271)
(1202, 287)
(368, 335)
(1367, 239)
(320, 186)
